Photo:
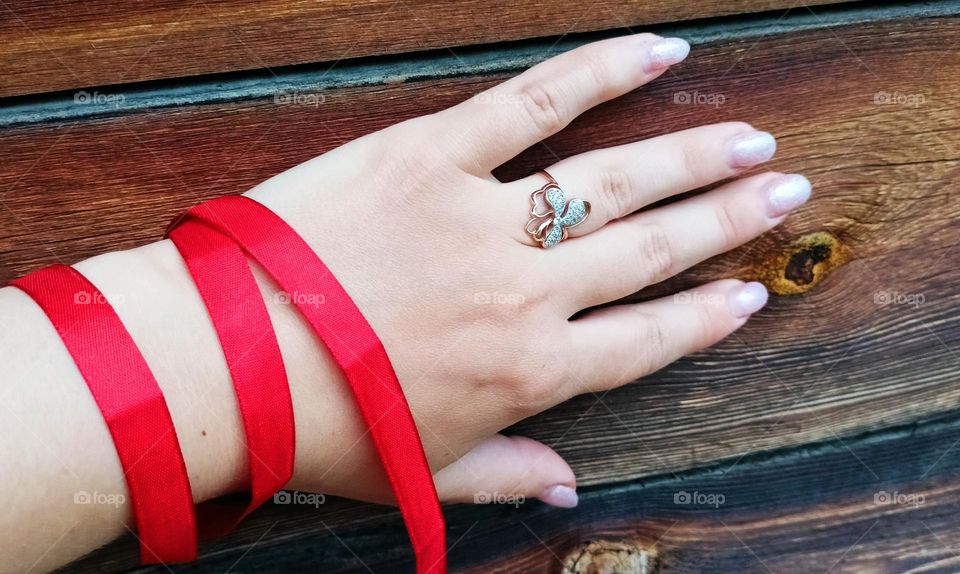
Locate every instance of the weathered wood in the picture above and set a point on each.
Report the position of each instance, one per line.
(854, 505)
(863, 337)
(882, 174)
(81, 44)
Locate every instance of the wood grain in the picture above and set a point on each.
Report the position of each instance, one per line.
(847, 506)
(835, 360)
(80, 44)
(863, 337)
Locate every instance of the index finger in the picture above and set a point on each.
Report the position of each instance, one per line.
(493, 126)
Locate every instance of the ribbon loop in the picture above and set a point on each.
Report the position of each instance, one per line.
(269, 240)
(239, 316)
(132, 405)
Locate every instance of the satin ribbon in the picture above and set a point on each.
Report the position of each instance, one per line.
(239, 316)
(210, 237)
(132, 405)
(353, 344)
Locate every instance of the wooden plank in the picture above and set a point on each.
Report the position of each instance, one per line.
(832, 361)
(83, 44)
(847, 506)
(864, 335)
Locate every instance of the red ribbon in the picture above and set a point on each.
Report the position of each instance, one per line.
(355, 347)
(132, 405)
(239, 315)
(210, 237)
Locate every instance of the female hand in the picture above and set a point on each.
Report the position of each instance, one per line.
(476, 316)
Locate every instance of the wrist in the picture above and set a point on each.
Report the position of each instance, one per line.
(151, 291)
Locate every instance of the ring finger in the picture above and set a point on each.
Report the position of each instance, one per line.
(620, 180)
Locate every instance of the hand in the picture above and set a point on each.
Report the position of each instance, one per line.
(475, 316)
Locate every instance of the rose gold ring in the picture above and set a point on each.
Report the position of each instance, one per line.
(551, 215)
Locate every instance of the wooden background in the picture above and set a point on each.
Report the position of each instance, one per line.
(823, 436)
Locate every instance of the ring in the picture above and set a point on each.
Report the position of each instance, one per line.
(551, 215)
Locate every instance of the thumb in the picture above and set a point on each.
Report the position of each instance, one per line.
(502, 469)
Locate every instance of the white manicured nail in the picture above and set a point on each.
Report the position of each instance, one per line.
(750, 298)
(787, 193)
(560, 496)
(667, 52)
(747, 150)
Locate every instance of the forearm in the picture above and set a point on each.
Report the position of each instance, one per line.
(62, 480)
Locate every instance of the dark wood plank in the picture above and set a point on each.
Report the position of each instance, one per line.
(849, 506)
(74, 44)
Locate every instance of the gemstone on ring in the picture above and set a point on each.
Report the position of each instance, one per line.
(551, 215)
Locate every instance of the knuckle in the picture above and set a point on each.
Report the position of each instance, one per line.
(708, 327)
(536, 378)
(695, 171)
(651, 345)
(536, 392)
(654, 256)
(727, 224)
(542, 105)
(616, 192)
(597, 62)
(529, 388)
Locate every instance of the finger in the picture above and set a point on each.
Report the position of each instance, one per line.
(492, 127)
(508, 470)
(645, 248)
(626, 342)
(620, 180)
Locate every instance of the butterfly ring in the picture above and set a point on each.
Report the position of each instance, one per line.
(551, 215)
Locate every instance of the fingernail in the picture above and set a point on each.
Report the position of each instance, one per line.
(750, 298)
(787, 193)
(560, 496)
(667, 52)
(749, 149)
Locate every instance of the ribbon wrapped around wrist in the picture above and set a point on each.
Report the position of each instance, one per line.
(132, 405)
(215, 238)
(355, 347)
(239, 316)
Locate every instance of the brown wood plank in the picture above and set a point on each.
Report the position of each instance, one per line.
(74, 44)
(831, 361)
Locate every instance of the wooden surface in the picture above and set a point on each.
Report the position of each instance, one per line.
(79, 43)
(844, 388)
(853, 506)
